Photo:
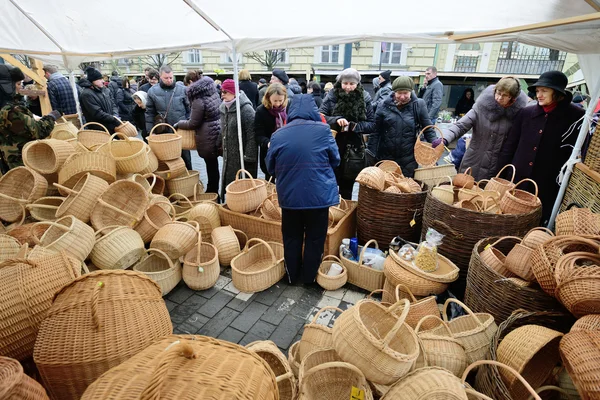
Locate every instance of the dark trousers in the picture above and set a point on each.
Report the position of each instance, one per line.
(346, 187)
(187, 159)
(212, 171)
(308, 228)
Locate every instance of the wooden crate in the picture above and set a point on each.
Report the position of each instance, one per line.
(583, 189)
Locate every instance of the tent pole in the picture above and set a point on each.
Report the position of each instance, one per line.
(575, 157)
(76, 96)
(237, 103)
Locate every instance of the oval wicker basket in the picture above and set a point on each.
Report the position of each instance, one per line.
(425, 154)
(15, 385)
(499, 366)
(328, 282)
(122, 203)
(427, 383)
(286, 381)
(166, 146)
(46, 156)
(68, 234)
(95, 323)
(91, 138)
(389, 166)
(18, 187)
(44, 208)
(464, 180)
(127, 129)
(82, 198)
(517, 201)
(418, 285)
(64, 130)
(79, 164)
(119, 248)
(333, 381)
(184, 184)
(156, 265)
(186, 367)
(501, 185)
(372, 177)
(577, 278)
(155, 217)
(176, 238)
(316, 336)
(418, 308)
(537, 236)
(446, 272)
(207, 216)
(518, 261)
(225, 239)
(315, 358)
(130, 154)
(170, 169)
(188, 138)
(258, 267)
(432, 176)
(589, 322)
(26, 291)
(361, 275)
(9, 247)
(580, 353)
(245, 195)
(201, 266)
(444, 193)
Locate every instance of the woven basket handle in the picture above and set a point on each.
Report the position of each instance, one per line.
(237, 176)
(550, 387)
(314, 320)
(196, 192)
(94, 304)
(267, 245)
(66, 189)
(181, 197)
(468, 171)
(406, 289)
(503, 238)
(332, 257)
(153, 177)
(119, 134)
(199, 244)
(7, 197)
(565, 266)
(526, 180)
(173, 351)
(445, 226)
(388, 338)
(287, 375)
(113, 227)
(441, 321)
(370, 295)
(51, 223)
(362, 252)
(110, 206)
(152, 224)
(46, 206)
(331, 364)
(464, 307)
(95, 123)
(483, 180)
(163, 254)
(162, 124)
(430, 126)
(499, 364)
(540, 228)
(503, 168)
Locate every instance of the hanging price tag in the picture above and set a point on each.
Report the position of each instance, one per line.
(357, 394)
(488, 246)
(412, 223)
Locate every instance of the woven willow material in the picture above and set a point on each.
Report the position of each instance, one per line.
(286, 381)
(155, 217)
(269, 209)
(444, 192)
(91, 138)
(201, 266)
(389, 166)
(425, 154)
(418, 286)
(432, 176)
(501, 185)
(583, 190)
(226, 241)
(127, 129)
(333, 381)
(184, 184)
(157, 266)
(428, 383)
(592, 156)
(44, 208)
(77, 165)
(577, 221)
(580, 352)
(293, 358)
(117, 247)
(372, 177)
(245, 195)
(463, 228)
(18, 187)
(166, 146)
(537, 236)
(176, 238)
(490, 292)
(26, 290)
(207, 216)
(123, 203)
(27, 233)
(68, 234)
(130, 154)
(383, 216)
(331, 282)
(187, 367)
(15, 385)
(82, 198)
(589, 322)
(532, 350)
(315, 335)
(446, 271)
(578, 283)
(258, 267)
(64, 130)
(517, 201)
(188, 138)
(418, 308)
(170, 169)
(464, 179)
(504, 367)
(317, 357)
(361, 275)
(95, 323)
(46, 156)
(9, 247)
(380, 344)
(473, 331)
(518, 261)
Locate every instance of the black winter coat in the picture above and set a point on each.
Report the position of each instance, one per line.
(396, 132)
(251, 90)
(125, 104)
(538, 145)
(139, 119)
(97, 106)
(318, 99)
(114, 85)
(264, 126)
(204, 116)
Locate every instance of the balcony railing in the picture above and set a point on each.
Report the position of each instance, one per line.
(466, 63)
(528, 65)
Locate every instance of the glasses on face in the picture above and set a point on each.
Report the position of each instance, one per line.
(503, 95)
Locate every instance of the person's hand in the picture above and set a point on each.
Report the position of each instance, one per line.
(268, 145)
(437, 142)
(55, 114)
(175, 125)
(342, 122)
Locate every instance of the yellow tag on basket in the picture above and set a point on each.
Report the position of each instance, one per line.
(412, 223)
(488, 246)
(357, 394)
(168, 175)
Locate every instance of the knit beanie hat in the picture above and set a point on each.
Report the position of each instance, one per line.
(281, 75)
(349, 75)
(386, 74)
(403, 83)
(228, 86)
(93, 74)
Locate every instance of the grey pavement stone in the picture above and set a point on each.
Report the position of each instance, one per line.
(219, 322)
(180, 294)
(306, 303)
(181, 313)
(293, 292)
(195, 301)
(249, 338)
(269, 296)
(262, 330)
(248, 318)
(287, 330)
(196, 320)
(208, 293)
(215, 304)
(170, 304)
(239, 305)
(186, 329)
(231, 335)
(277, 312)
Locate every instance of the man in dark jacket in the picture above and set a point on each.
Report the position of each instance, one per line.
(153, 79)
(384, 88)
(302, 155)
(168, 99)
(397, 122)
(115, 83)
(542, 137)
(96, 102)
(433, 93)
(262, 88)
(60, 91)
(279, 76)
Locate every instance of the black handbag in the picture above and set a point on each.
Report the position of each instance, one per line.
(355, 159)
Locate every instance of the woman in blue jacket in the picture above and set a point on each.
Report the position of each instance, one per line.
(302, 155)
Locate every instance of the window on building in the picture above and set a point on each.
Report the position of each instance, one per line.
(466, 64)
(391, 53)
(469, 47)
(194, 56)
(330, 54)
(227, 58)
(123, 61)
(282, 56)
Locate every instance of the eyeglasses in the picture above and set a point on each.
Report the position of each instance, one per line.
(503, 95)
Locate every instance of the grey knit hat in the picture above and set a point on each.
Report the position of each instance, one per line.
(348, 75)
(403, 83)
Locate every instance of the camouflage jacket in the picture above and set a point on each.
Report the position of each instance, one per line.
(17, 127)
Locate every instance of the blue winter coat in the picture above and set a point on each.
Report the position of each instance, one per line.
(302, 156)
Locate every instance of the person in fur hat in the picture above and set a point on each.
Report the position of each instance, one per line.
(490, 118)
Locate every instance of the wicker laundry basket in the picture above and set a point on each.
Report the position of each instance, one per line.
(15, 385)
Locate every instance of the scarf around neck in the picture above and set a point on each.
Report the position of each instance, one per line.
(350, 105)
(280, 115)
(228, 103)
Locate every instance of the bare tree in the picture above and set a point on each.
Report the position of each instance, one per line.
(269, 59)
(85, 65)
(23, 59)
(158, 60)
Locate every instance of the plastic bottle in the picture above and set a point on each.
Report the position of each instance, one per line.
(345, 249)
(354, 247)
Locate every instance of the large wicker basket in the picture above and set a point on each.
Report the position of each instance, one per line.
(333, 381)
(188, 367)
(361, 275)
(580, 352)
(95, 323)
(123, 203)
(68, 234)
(578, 283)
(432, 176)
(79, 164)
(245, 195)
(166, 146)
(383, 216)
(18, 187)
(117, 247)
(157, 266)
(26, 290)
(577, 221)
(130, 154)
(463, 228)
(258, 267)
(46, 156)
(15, 385)
(286, 381)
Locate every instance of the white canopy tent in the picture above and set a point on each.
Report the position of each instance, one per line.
(68, 32)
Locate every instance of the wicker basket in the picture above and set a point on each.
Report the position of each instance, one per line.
(315, 358)
(130, 154)
(119, 248)
(152, 162)
(91, 138)
(464, 228)
(166, 146)
(316, 336)
(170, 169)
(123, 203)
(26, 290)
(28, 233)
(419, 309)
(127, 129)
(176, 238)
(577, 277)
(187, 367)
(328, 282)
(201, 266)
(464, 180)
(517, 201)
(188, 138)
(383, 215)
(207, 216)
(490, 292)
(389, 166)
(592, 156)
(46, 156)
(258, 267)
(432, 176)
(334, 381)
(427, 383)
(501, 185)
(580, 352)
(64, 130)
(503, 367)
(185, 184)
(577, 221)
(361, 275)
(9, 247)
(371, 337)
(270, 210)
(245, 195)
(444, 193)
(225, 239)
(286, 381)
(68, 234)
(15, 385)
(44, 208)
(157, 266)
(518, 261)
(418, 285)
(589, 322)
(446, 271)
(82, 198)
(95, 323)
(79, 164)
(532, 350)
(372, 177)
(293, 358)
(425, 154)
(18, 187)
(537, 236)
